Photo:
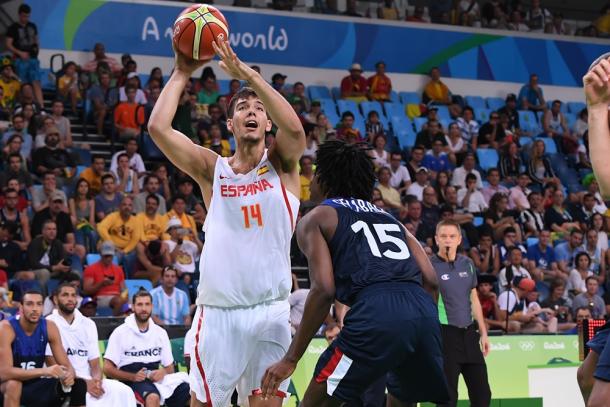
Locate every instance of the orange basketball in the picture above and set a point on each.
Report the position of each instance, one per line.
(196, 28)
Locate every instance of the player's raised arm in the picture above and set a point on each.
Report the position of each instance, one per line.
(321, 295)
(597, 92)
(290, 138)
(196, 161)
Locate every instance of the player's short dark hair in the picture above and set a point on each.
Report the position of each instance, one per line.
(448, 222)
(141, 293)
(61, 286)
(244, 93)
(345, 170)
(32, 291)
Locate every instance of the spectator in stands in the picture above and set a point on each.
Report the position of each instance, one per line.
(22, 40)
(53, 158)
(104, 281)
(510, 109)
(312, 139)
(215, 117)
(499, 218)
(27, 104)
(557, 25)
(346, 131)
(234, 85)
(556, 127)
(354, 86)
(516, 22)
(5, 111)
(541, 258)
(62, 123)
(531, 96)
(108, 200)
(421, 181)
(152, 256)
(558, 302)
(456, 145)
(188, 222)
(9, 82)
(103, 98)
(67, 85)
(129, 66)
(470, 13)
(512, 307)
(532, 218)
(514, 267)
(422, 231)
(11, 216)
(23, 201)
(429, 134)
(430, 209)
(557, 218)
(16, 169)
(11, 254)
(400, 178)
(183, 252)
(46, 256)
(124, 232)
(510, 163)
(491, 134)
(537, 17)
(440, 184)
(306, 176)
(128, 117)
(459, 175)
(133, 81)
(390, 196)
(494, 186)
(13, 146)
(171, 306)
(597, 223)
(418, 15)
(185, 188)
(436, 92)
(93, 174)
(380, 85)
(127, 178)
(41, 196)
(381, 157)
(566, 251)
(99, 52)
(18, 127)
(539, 167)
(152, 223)
(582, 123)
(151, 186)
(470, 198)
(597, 255)
(209, 91)
(135, 159)
(485, 255)
(312, 115)
(82, 215)
(417, 155)
(388, 11)
(217, 143)
(583, 213)
(436, 159)
(590, 299)
(41, 131)
(373, 126)
(298, 93)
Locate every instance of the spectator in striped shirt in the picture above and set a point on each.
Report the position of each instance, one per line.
(170, 305)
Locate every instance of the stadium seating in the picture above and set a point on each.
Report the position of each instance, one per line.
(346, 105)
(488, 158)
(133, 286)
(528, 122)
(371, 106)
(317, 92)
(495, 103)
(481, 114)
(443, 113)
(475, 102)
(410, 97)
(549, 144)
(575, 107)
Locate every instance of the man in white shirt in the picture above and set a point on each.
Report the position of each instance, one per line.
(135, 352)
(400, 178)
(183, 252)
(140, 95)
(421, 182)
(470, 198)
(80, 340)
(459, 175)
(171, 306)
(469, 128)
(515, 268)
(135, 159)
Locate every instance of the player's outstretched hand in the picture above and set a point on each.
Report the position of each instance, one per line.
(596, 84)
(274, 376)
(186, 64)
(229, 62)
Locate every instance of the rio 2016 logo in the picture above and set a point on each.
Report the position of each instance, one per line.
(527, 346)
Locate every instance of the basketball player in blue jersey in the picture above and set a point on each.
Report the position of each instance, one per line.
(594, 373)
(363, 257)
(23, 341)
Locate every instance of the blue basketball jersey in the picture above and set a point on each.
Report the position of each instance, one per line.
(29, 350)
(369, 247)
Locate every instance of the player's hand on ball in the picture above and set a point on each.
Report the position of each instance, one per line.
(229, 62)
(596, 84)
(274, 376)
(186, 64)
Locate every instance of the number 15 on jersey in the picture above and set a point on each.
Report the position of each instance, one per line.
(252, 215)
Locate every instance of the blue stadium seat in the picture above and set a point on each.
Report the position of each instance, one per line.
(133, 286)
(549, 144)
(528, 122)
(79, 170)
(46, 82)
(223, 86)
(475, 102)
(443, 113)
(52, 285)
(103, 312)
(575, 107)
(410, 97)
(395, 109)
(328, 106)
(401, 122)
(419, 122)
(571, 120)
(488, 158)
(317, 92)
(149, 149)
(394, 97)
(477, 221)
(359, 124)
(482, 114)
(406, 137)
(345, 105)
(370, 106)
(532, 241)
(524, 141)
(495, 103)
(336, 93)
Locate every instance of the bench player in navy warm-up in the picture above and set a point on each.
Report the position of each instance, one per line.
(363, 257)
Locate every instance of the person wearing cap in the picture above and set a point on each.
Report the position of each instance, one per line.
(278, 81)
(513, 306)
(510, 110)
(354, 86)
(99, 52)
(52, 157)
(463, 328)
(104, 281)
(88, 307)
(184, 253)
(380, 85)
(422, 174)
(128, 118)
(188, 222)
(9, 82)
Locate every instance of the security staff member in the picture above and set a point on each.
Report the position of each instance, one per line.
(465, 341)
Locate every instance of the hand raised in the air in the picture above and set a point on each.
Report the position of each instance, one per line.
(229, 62)
(186, 64)
(596, 84)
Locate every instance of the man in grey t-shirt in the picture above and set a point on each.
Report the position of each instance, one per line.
(465, 342)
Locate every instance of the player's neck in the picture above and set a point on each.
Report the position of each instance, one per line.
(68, 317)
(27, 326)
(247, 156)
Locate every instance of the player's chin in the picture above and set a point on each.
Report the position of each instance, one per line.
(251, 136)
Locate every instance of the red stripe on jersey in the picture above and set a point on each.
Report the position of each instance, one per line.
(198, 359)
(288, 206)
(330, 366)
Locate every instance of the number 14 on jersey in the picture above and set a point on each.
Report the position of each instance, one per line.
(252, 215)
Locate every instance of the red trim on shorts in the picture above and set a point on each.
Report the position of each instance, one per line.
(198, 359)
(278, 393)
(330, 366)
(139, 398)
(288, 206)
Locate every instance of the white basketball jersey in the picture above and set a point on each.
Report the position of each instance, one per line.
(249, 225)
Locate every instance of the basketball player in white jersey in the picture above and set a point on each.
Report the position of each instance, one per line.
(242, 321)
(79, 339)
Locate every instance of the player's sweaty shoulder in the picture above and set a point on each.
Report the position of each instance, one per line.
(324, 218)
